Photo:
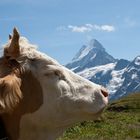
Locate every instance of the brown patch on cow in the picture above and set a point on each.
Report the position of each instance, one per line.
(31, 102)
(10, 83)
(5, 67)
(10, 93)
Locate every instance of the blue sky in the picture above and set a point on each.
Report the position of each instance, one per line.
(61, 27)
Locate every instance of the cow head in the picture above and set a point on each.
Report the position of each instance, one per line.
(66, 97)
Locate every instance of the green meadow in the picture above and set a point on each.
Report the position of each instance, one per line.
(120, 121)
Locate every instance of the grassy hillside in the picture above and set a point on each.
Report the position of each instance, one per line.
(120, 121)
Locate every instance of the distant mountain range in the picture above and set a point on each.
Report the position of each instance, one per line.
(119, 76)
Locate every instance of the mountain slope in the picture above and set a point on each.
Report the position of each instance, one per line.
(131, 82)
(127, 103)
(120, 77)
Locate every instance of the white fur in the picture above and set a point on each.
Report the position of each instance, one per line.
(68, 98)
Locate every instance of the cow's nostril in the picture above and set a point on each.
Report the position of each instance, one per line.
(105, 93)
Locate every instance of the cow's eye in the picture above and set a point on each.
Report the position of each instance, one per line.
(59, 74)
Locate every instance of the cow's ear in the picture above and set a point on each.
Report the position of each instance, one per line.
(13, 51)
(10, 93)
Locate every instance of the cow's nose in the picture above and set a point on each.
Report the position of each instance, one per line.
(104, 92)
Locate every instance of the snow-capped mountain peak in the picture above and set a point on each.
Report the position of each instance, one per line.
(93, 46)
(96, 45)
(92, 54)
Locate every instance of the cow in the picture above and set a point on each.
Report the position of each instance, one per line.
(39, 98)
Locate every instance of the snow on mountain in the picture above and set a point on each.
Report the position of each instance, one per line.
(116, 82)
(132, 78)
(120, 77)
(86, 49)
(105, 75)
(90, 55)
(91, 72)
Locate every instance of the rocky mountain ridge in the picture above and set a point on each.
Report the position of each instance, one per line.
(120, 77)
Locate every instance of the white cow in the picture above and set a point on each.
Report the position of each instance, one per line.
(39, 98)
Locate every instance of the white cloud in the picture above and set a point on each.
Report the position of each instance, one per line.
(87, 28)
(81, 29)
(89, 25)
(107, 28)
